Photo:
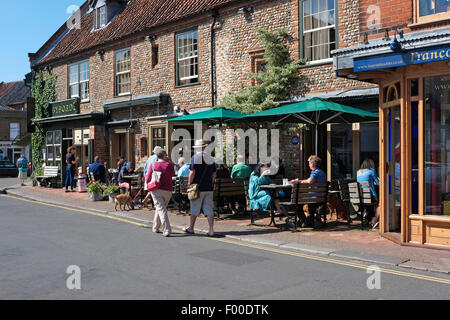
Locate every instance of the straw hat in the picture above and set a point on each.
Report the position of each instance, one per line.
(200, 144)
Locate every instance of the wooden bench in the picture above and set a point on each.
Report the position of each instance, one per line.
(180, 186)
(228, 188)
(50, 177)
(314, 195)
(361, 195)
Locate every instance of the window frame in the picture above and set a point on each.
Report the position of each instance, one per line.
(302, 32)
(103, 18)
(79, 81)
(428, 18)
(116, 74)
(178, 79)
(10, 130)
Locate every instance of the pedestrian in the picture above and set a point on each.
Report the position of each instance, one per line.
(120, 162)
(163, 194)
(203, 173)
(22, 164)
(98, 170)
(150, 160)
(70, 168)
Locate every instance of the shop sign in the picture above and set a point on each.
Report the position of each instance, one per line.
(63, 108)
(400, 59)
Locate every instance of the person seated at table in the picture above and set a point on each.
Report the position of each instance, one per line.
(183, 170)
(120, 162)
(317, 176)
(239, 171)
(367, 174)
(98, 170)
(260, 198)
(126, 170)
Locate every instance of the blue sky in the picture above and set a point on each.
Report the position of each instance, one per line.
(25, 26)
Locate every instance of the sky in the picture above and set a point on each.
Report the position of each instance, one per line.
(25, 25)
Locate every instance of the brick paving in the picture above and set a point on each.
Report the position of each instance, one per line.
(337, 236)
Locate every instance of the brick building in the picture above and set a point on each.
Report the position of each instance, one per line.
(124, 67)
(405, 50)
(13, 120)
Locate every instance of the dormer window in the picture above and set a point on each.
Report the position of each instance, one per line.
(100, 17)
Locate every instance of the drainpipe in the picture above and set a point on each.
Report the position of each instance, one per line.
(215, 15)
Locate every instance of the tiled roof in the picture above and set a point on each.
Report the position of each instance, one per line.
(137, 16)
(13, 93)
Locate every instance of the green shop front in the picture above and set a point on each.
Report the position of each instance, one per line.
(65, 126)
(413, 74)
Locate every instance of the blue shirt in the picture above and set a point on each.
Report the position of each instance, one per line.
(369, 175)
(318, 176)
(22, 164)
(200, 162)
(183, 171)
(98, 170)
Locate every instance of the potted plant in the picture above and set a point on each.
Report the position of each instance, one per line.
(111, 192)
(95, 191)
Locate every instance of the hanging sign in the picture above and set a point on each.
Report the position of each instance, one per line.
(400, 59)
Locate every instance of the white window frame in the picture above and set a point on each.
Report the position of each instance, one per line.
(79, 82)
(116, 74)
(194, 57)
(17, 130)
(100, 13)
(333, 26)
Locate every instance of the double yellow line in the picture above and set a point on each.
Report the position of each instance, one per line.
(254, 246)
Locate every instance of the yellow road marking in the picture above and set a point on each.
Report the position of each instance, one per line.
(334, 261)
(78, 210)
(243, 244)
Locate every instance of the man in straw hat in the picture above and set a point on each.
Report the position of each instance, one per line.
(202, 172)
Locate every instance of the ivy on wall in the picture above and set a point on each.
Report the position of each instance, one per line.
(43, 92)
(275, 84)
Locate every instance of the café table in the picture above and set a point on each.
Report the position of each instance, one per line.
(129, 179)
(272, 188)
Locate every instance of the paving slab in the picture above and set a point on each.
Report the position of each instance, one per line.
(307, 248)
(369, 257)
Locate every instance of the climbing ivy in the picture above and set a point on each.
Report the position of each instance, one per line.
(276, 83)
(43, 92)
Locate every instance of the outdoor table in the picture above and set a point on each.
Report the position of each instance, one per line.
(272, 188)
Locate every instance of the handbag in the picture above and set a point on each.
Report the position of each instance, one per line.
(193, 192)
(156, 178)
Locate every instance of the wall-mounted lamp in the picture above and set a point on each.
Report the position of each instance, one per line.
(151, 37)
(100, 53)
(395, 45)
(366, 38)
(245, 11)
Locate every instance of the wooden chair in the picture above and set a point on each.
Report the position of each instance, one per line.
(314, 195)
(227, 188)
(361, 195)
(344, 194)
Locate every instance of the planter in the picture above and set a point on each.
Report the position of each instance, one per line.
(98, 196)
(112, 197)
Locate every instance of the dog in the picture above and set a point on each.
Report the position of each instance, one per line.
(123, 200)
(336, 207)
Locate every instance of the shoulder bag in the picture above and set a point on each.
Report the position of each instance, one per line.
(156, 178)
(194, 189)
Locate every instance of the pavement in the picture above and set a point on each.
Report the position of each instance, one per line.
(337, 239)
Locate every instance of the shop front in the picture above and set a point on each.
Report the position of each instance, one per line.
(414, 145)
(65, 127)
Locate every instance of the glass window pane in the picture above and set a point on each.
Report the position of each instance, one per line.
(437, 146)
(342, 151)
(426, 7)
(73, 74)
(57, 137)
(49, 138)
